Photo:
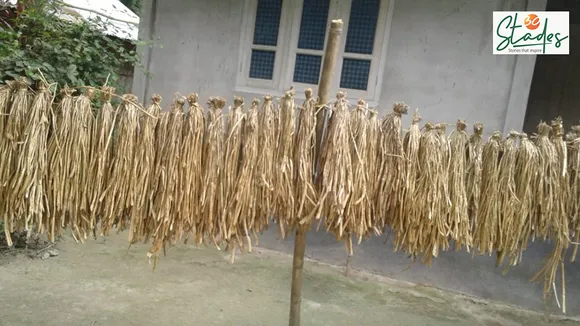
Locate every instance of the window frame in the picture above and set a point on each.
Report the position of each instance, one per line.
(247, 45)
(287, 48)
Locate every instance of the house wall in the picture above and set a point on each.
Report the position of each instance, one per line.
(439, 58)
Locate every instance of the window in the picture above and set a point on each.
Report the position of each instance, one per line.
(283, 44)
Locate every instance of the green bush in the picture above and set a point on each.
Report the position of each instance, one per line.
(71, 53)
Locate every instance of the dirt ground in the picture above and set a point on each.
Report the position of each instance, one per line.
(100, 283)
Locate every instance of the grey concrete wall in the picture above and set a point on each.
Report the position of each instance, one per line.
(439, 59)
(199, 51)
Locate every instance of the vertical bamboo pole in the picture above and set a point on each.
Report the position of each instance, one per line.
(324, 86)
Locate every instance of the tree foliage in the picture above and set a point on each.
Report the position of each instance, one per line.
(68, 52)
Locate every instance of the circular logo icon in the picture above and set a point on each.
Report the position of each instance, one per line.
(532, 21)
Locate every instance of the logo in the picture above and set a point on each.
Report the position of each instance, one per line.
(521, 32)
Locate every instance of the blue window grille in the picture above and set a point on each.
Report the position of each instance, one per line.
(362, 25)
(355, 74)
(307, 68)
(267, 22)
(313, 24)
(262, 64)
(266, 30)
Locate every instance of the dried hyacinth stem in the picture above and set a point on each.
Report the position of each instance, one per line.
(429, 196)
(407, 236)
(306, 195)
(548, 181)
(26, 192)
(557, 227)
(560, 218)
(443, 182)
(213, 153)
(57, 178)
(392, 174)
(526, 173)
(6, 92)
(142, 218)
(458, 217)
(78, 146)
(486, 233)
(508, 200)
(359, 207)
(547, 222)
(191, 167)
(229, 226)
(373, 165)
(242, 205)
(169, 223)
(14, 137)
(474, 169)
(119, 194)
(573, 139)
(266, 173)
(337, 171)
(102, 150)
(284, 182)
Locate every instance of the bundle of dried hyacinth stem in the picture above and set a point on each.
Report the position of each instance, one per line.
(119, 193)
(265, 164)
(557, 227)
(429, 196)
(6, 92)
(458, 216)
(101, 154)
(526, 172)
(548, 182)
(373, 163)
(284, 181)
(14, 137)
(169, 224)
(443, 180)
(337, 173)
(304, 188)
(406, 237)
(573, 138)
(391, 170)
(191, 166)
(358, 211)
(213, 153)
(242, 205)
(474, 169)
(78, 147)
(508, 200)
(142, 217)
(486, 231)
(56, 184)
(229, 227)
(26, 192)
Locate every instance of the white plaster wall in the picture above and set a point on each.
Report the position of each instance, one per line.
(439, 56)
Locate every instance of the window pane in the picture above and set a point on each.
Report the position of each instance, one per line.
(262, 64)
(307, 68)
(355, 74)
(313, 24)
(267, 22)
(362, 26)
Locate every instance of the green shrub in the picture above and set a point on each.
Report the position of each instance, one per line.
(72, 53)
